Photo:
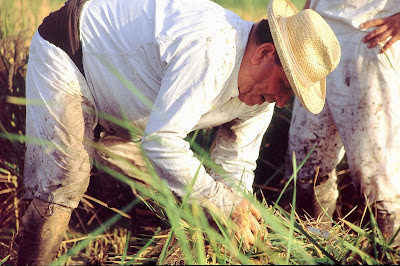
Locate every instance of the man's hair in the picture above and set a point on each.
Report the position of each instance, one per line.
(263, 35)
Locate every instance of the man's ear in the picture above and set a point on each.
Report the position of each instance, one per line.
(264, 51)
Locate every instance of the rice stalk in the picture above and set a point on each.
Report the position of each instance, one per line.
(290, 240)
(389, 60)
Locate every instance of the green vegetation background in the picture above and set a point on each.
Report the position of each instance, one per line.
(18, 21)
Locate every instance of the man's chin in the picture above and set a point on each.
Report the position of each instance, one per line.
(247, 102)
(250, 103)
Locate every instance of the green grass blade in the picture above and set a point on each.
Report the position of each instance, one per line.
(292, 177)
(199, 239)
(166, 245)
(390, 61)
(128, 238)
(289, 248)
(5, 259)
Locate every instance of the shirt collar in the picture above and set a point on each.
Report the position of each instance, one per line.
(242, 40)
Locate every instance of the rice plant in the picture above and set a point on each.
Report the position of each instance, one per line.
(156, 227)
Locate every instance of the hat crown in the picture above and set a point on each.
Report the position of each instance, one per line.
(308, 50)
(312, 45)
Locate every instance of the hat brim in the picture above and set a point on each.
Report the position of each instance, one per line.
(312, 98)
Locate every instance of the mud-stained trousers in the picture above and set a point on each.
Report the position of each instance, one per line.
(361, 116)
(60, 150)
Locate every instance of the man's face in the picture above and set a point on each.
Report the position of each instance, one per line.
(264, 80)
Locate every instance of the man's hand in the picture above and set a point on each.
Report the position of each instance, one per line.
(385, 27)
(247, 218)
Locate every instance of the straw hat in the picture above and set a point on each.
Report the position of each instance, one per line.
(308, 50)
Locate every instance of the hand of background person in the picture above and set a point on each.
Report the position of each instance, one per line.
(385, 27)
(247, 219)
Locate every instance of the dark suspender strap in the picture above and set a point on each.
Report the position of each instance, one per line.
(61, 28)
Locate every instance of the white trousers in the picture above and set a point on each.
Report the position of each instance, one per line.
(361, 115)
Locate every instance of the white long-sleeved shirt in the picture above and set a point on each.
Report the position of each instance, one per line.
(183, 58)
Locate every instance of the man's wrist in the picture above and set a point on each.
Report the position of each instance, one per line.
(225, 199)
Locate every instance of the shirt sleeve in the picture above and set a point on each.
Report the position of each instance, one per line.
(237, 147)
(194, 76)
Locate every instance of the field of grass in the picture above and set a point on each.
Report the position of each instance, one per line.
(155, 227)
